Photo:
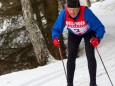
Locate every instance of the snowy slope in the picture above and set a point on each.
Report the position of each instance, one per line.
(53, 74)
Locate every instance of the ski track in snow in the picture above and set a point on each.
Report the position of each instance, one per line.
(56, 76)
(40, 80)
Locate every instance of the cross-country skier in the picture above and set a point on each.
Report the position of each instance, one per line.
(81, 23)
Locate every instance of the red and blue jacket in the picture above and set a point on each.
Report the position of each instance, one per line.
(84, 22)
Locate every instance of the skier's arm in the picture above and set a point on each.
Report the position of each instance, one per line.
(94, 23)
(59, 25)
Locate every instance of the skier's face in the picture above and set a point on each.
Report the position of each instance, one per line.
(73, 12)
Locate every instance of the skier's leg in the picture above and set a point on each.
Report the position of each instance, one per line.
(92, 65)
(73, 44)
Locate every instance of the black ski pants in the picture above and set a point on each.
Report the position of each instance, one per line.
(73, 45)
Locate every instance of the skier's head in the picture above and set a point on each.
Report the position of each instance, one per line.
(73, 3)
(73, 7)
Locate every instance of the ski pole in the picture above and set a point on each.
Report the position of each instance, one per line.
(62, 61)
(104, 66)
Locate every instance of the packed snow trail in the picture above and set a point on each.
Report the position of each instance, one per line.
(53, 73)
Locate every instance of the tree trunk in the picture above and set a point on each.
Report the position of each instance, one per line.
(34, 33)
(51, 13)
(88, 3)
(97, 0)
(49, 9)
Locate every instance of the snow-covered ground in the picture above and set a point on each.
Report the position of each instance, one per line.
(53, 74)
